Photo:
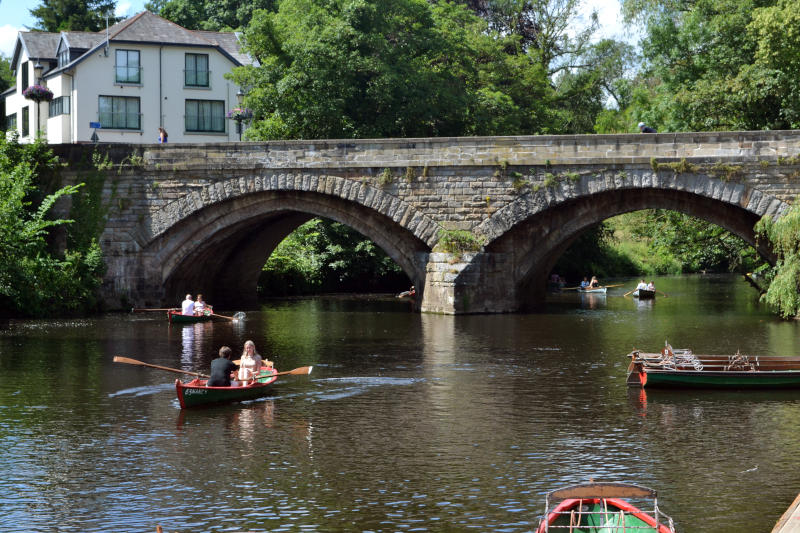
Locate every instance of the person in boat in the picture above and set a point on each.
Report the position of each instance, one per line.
(251, 362)
(641, 285)
(221, 369)
(187, 306)
(593, 283)
(200, 306)
(585, 283)
(410, 293)
(651, 286)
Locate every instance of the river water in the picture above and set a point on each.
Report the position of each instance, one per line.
(408, 423)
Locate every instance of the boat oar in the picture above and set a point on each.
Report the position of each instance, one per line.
(629, 292)
(129, 361)
(234, 318)
(135, 310)
(664, 293)
(300, 371)
(569, 288)
(617, 285)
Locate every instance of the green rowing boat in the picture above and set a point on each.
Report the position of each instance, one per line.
(195, 393)
(682, 368)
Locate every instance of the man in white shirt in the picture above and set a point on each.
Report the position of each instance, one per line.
(187, 307)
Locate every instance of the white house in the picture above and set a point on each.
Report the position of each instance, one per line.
(124, 83)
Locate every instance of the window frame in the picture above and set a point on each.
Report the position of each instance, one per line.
(25, 118)
(218, 104)
(125, 114)
(196, 71)
(25, 76)
(11, 122)
(58, 106)
(117, 66)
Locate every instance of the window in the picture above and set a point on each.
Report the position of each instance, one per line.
(205, 115)
(127, 68)
(26, 121)
(11, 122)
(59, 106)
(196, 72)
(63, 57)
(119, 112)
(25, 80)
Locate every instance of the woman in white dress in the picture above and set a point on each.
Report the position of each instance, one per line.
(250, 364)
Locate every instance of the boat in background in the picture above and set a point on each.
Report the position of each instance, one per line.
(682, 368)
(176, 317)
(602, 507)
(594, 290)
(644, 294)
(195, 393)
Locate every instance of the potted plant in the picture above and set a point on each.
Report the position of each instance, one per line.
(38, 93)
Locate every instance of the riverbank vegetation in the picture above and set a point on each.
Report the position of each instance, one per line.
(37, 276)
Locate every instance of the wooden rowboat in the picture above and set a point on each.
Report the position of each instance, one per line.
(176, 317)
(682, 368)
(195, 393)
(601, 507)
(644, 294)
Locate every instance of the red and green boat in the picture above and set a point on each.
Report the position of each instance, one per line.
(195, 393)
(684, 369)
(176, 317)
(602, 507)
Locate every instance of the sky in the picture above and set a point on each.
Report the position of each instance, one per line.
(15, 16)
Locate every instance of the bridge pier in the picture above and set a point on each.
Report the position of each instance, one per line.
(477, 282)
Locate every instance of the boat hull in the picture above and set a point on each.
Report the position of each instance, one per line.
(195, 393)
(598, 514)
(176, 317)
(644, 294)
(713, 371)
(599, 290)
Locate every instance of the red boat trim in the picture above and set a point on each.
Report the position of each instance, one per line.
(568, 504)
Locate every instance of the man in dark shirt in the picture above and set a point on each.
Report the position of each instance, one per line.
(221, 369)
(644, 128)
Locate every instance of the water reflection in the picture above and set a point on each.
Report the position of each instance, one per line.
(593, 300)
(193, 343)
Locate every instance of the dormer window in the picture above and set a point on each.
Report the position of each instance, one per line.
(63, 57)
(128, 68)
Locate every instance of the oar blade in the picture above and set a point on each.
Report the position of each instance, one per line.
(126, 360)
(302, 371)
(239, 316)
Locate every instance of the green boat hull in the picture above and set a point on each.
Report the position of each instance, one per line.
(178, 318)
(598, 519)
(728, 379)
(196, 394)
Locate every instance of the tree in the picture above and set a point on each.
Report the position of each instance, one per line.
(34, 280)
(6, 81)
(213, 15)
(74, 15)
(783, 293)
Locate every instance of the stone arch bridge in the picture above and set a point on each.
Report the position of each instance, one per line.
(205, 217)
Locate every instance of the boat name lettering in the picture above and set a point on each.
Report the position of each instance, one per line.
(194, 391)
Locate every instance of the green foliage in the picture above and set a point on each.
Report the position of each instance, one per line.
(73, 15)
(457, 241)
(694, 244)
(326, 256)
(385, 177)
(213, 15)
(783, 293)
(593, 253)
(35, 280)
(718, 64)
(6, 75)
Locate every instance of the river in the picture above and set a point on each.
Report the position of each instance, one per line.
(408, 422)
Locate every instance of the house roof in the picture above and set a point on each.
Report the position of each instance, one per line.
(37, 45)
(144, 28)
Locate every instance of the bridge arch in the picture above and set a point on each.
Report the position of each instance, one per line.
(217, 239)
(539, 226)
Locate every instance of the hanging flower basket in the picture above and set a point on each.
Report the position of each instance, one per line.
(240, 113)
(38, 93)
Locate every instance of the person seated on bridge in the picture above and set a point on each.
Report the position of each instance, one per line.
(593, 284)
(221, 369)
(250, 364)
(187, 306)
(641, 285)
(651, 286)
(644, 128)
(200, 306)
(585, 283)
